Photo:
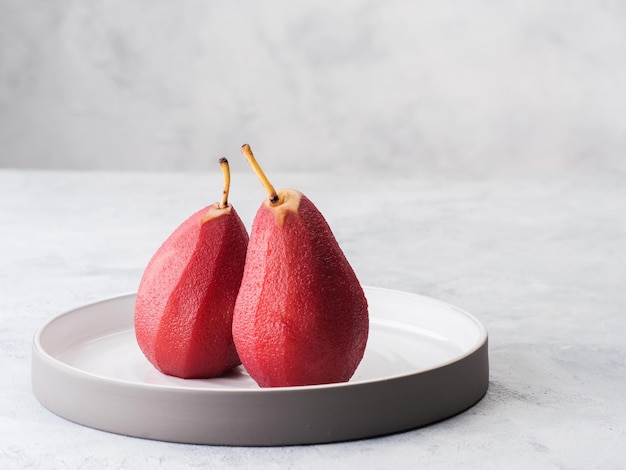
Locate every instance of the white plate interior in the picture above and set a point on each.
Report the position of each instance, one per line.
(409, 334)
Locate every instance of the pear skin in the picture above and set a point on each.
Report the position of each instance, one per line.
(301, 316)
(186, 296)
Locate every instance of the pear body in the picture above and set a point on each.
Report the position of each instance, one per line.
(301, 315)
(186, 297)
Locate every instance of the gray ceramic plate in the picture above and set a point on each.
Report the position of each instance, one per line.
(425, 361)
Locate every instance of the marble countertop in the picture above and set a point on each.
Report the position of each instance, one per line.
(540, 260)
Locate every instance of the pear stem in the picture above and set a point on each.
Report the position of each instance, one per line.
(226, 172)
(271, 192)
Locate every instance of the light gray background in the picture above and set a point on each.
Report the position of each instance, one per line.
(401, 85)
(533, 92)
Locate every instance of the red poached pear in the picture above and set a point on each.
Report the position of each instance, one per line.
(301, 316)
(186, 297)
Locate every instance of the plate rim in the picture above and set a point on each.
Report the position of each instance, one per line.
(282, 416)
(480, 342)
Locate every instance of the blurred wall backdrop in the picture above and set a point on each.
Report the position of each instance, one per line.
(480, 86)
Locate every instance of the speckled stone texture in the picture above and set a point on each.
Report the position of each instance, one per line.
(541, 260)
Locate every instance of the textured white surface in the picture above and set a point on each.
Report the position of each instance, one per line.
(541, 261)
(153, 84)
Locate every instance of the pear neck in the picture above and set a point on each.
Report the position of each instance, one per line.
(215, 211)
(288, 200)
